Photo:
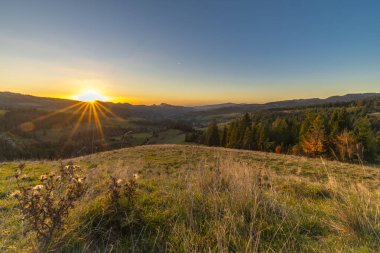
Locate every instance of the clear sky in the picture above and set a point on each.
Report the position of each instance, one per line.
(190, 52)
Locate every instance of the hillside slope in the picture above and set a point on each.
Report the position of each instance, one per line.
(197, 199)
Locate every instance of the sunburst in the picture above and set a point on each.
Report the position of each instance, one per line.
(91, 96)
(95, 112)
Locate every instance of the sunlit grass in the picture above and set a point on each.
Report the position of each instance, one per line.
(194, 198)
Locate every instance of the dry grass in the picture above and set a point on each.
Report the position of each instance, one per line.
(197, 199)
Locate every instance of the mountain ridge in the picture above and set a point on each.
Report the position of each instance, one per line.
(17, 100)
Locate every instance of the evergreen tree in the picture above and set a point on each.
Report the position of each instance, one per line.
(365, 136)
(212, 135)
(242, 125)
(247, 139)
(246, 121)
(280, 131)
(262, 136)
(338, 122)
(233, 135)
(224, 137)
(305, 126)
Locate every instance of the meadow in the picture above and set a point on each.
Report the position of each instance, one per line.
(200, 199)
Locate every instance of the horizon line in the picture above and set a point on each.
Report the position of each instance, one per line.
(195, 105)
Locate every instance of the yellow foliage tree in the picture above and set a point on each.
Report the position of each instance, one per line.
(346, 145)
(313, 143)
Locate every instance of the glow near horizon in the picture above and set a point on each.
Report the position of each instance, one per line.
(90, 96)
(184, 53)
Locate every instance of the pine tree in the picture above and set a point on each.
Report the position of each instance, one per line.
(224, 137)
(246, 120)
(242, 125)
(365, 136)
(233, 135)
(305, 126)
(247, 139)
(212, 135)
(338, 122)
(280, 131)
(261, 137)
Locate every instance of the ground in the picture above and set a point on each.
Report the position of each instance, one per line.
(196, 199)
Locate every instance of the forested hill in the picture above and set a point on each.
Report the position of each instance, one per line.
(48, 128)
(348, 131)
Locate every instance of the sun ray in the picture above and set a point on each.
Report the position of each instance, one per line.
(80, 119)
(102, 113)
(57, 112)
(75, 128)
(98, 123)
(78, 110)
(90, 126)
(29, 125)
(104, 116)
(110, 112)
(95, 112)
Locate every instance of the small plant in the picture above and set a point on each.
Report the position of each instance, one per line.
(46, 205)
(114, 189)
(117, 188)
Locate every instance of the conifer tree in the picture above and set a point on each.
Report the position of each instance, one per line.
(247, 139)
(338, 122)
(365, 136)
(212, 135)
(261, 136)
(233, 135)
(224, 137)
(280, 131)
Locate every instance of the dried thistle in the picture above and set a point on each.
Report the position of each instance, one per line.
(46, 205)
(116, 189)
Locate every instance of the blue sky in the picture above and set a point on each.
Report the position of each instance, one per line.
(190, 52)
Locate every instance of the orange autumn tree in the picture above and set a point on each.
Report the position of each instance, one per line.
(313, 142)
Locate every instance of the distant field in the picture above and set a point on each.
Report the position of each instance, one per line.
(171, 136)
(196, 199)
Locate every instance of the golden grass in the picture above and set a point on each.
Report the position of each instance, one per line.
(199, 199)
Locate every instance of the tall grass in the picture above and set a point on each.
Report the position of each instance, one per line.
(229, 206)
(213, 202)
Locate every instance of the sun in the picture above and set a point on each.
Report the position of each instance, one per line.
(91, 96)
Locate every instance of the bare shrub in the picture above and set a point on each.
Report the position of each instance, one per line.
(46, 205)
(116, 189)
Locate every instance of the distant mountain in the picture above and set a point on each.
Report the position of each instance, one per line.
(15, 100)
(216, 106)
(125, 110)
(243, 108)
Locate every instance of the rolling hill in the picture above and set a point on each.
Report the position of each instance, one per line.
(196, 199)
(125, 110)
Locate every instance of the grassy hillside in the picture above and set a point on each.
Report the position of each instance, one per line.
(199, 199)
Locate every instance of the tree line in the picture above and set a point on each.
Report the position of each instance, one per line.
(347, 132)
